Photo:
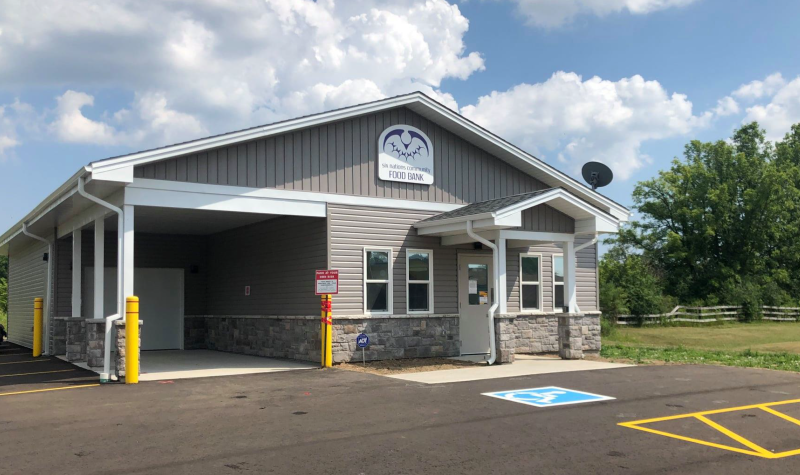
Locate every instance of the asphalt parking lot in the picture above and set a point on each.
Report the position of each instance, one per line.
(335, 421)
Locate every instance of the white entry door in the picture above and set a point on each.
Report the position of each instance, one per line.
(475, 295)
(160, 293)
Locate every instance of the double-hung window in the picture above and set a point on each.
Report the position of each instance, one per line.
(530, 272)
(419, 280)
(377, 280)
(558, 283)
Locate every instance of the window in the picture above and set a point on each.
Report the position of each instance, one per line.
(558, 283)
(530, 283)
(377, 281)
(478, 284)
(419, 281)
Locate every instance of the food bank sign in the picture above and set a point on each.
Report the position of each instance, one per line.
(405, 154)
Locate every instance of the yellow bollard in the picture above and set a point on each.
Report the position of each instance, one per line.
(38, 323)
(326, 333)
(132, 340)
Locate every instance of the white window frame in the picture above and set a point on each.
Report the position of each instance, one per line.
(553, 277)
(522, 309)
(389, 281)
(429, 282)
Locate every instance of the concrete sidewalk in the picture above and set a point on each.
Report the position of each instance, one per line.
(525, 365)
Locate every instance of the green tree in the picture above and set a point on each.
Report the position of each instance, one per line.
(722, 220)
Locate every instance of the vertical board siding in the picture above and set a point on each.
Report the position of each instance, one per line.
(341, 157)
(585, 276)
(63, 278)
(276, 258)
(27, 274)
(546, 219)
(352, 228)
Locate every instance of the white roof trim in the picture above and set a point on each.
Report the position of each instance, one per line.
(510, 216)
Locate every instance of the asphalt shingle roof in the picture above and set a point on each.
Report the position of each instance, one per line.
(489, 206)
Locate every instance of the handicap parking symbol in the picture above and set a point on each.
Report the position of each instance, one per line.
(548, 396)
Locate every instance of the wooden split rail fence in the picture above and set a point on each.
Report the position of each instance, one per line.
(683, 313)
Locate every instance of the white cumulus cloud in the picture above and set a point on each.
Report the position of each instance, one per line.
(780, 113)
(576, 120)
(758, 89)
(726, 106)
(555, 13)
(206, 66)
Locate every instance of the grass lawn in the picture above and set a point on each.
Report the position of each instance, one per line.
(766, 337)
(754, 345)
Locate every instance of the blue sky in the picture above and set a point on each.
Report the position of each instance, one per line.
(78, 86)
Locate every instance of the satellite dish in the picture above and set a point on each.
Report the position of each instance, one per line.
(596, 174)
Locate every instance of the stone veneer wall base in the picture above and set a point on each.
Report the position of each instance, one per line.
(297, 337)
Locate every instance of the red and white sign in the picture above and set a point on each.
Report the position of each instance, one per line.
(327, 282)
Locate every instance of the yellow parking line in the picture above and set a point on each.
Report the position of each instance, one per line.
(780, 414)
(50, 389)
(689, 439)
(26, 361)
(16, 354)
(734, 436)
(714, 411)
(40, 372)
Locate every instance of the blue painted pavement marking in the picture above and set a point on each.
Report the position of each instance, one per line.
(548, 396)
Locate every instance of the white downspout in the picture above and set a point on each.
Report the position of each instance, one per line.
(580, 248)
(46, 332)
(496, 279)
(104, 376)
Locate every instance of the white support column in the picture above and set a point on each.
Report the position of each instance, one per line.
(501, 269)
(570, 290)
(127, 256)
(76, 273)
(99, 266)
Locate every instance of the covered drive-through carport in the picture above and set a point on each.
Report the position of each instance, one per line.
(225, 256)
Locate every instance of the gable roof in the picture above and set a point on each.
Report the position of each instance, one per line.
(415, 101)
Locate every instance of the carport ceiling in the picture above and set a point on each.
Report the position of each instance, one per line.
(188, 221)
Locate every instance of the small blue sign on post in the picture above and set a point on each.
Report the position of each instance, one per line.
(362, 340)
(548, 396)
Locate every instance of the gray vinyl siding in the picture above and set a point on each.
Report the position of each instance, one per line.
(352, 228)
(585, 276)
(27, 279)
(544, 218)
(341, 157)
(276, 258)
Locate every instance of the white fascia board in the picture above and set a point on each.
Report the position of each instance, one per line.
(307, 196)
(595, 225)
(460, 220)
(214, 202)
(121, 175)
(537, 236)
(457, 228)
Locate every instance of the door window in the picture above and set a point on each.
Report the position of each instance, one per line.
(478, 284)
